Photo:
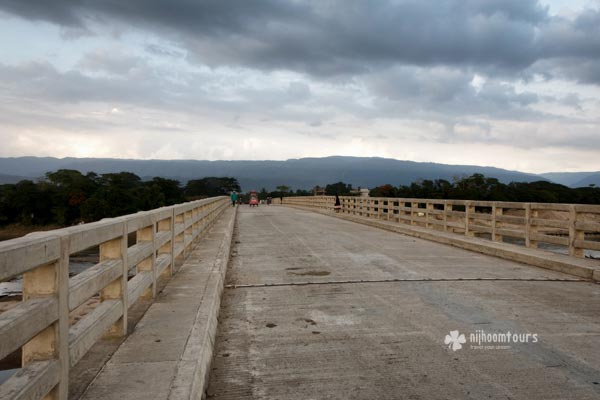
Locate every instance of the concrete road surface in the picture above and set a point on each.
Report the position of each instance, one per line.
(297, 322)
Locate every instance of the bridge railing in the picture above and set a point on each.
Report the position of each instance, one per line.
(40, 325)
(567, 225)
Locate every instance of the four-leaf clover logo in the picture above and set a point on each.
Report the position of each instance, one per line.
(455, 340)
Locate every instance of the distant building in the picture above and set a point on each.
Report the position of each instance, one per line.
(360, 192)
(318, 191)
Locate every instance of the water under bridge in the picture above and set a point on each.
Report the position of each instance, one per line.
(374, 299)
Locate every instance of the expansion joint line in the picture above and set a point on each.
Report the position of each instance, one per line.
(279, 284)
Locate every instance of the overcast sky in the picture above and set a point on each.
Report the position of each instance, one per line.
(508, 83)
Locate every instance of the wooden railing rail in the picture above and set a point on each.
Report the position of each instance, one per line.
(40, 326)
(569, 225)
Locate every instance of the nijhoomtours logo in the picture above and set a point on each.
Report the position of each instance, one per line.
(455, 340)
(481, 340)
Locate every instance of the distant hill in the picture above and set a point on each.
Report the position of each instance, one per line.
(301, 173)
(592, 179)
(11, 178)
(574, 179)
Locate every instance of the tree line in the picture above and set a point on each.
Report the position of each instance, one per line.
(480, 187)
(67, 197)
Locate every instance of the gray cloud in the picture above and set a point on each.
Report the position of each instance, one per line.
(447, 93)
(110, 61)
(441, 94)
(163, 51)
(133, 81)
(348, 37)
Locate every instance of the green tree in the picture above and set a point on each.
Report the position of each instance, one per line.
(31, 199)
(117, 194)
(71, 190)
(210, 187)
(339, 188)
(170, 189)
(384, 191)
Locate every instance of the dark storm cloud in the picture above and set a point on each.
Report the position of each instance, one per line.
(64, 12)
(350, 36)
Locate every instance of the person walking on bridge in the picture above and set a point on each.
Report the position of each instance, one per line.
(234, 198)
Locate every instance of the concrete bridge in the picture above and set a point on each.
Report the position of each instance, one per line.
(378, 298)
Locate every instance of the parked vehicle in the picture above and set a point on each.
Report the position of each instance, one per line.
(253, 198)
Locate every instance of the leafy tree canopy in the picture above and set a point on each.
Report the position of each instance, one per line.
(479, 187)
(339, 188)
(66, 197)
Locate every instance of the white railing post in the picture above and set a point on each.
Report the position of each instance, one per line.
(469, 211)
(428, 208)
(497, 211)
(195, 225)
(188, 233)
(117, 290)
(144, 235)
(179, 238)
(167, 225)
(51, 280)
(575, 234)
(389, 208)
(530, 228)
(447, 207)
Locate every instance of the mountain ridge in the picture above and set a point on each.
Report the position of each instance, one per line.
(298, 173)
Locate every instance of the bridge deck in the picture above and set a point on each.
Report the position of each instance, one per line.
(319, 333)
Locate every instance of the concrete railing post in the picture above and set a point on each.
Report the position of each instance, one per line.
(390, 208)
(145, 235)
(188, 235)
(375, 208)
(195, 225)
(469, 211)
(447, 207)
(51, 280)
(414, 208)
(530, 228)
(167, 225)
(497, 211)
(575, 234)
(533, 229)
(179, 239)
(428, 209)
(117, 290)
(205, 210)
